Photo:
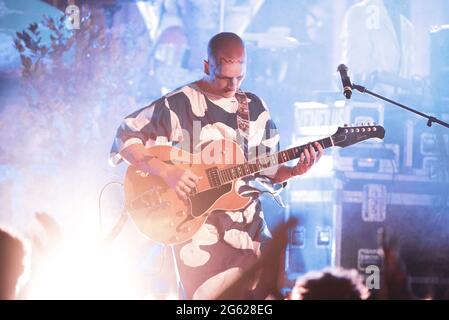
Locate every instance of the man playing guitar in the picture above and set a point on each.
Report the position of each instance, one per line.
(190, 117)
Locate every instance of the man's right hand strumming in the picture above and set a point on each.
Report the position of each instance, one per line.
(183, 181)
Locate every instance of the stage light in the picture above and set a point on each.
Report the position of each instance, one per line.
(81, 273)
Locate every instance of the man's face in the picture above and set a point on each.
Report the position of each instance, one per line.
(226, 74)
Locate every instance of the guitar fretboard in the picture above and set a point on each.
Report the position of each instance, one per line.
(257, 165)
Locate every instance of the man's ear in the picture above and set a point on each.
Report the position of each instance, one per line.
(206, 67)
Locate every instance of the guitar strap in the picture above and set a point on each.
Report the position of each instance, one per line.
(242, 120)
(260, 184)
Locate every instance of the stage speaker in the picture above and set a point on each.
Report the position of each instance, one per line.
(413, 210)
(311, 243)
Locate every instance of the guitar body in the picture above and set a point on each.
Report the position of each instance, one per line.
(160, 214)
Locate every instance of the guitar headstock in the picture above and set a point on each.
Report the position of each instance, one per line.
(348, 135)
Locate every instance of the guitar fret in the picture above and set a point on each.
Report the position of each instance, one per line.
(285, 156)
(291, 154)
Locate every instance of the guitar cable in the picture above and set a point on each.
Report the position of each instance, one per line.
(119, 224)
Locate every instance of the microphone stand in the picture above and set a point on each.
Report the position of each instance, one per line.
(430, 120)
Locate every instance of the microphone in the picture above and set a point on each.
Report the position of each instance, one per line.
(347, 86)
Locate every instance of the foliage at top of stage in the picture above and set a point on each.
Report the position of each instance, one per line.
(80, 84)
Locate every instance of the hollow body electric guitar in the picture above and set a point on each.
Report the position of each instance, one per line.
(163, 216)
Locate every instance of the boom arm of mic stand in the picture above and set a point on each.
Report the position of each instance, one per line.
(430, 120)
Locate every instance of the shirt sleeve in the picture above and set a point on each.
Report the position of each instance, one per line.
(155, 124)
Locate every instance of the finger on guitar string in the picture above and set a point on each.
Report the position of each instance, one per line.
(307, 159)
(301, 158)
(181, 193)
(186, 188)
(320, 150)
(192, 176)
(188, 182)
(312, 154)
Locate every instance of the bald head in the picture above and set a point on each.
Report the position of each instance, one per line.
(225, 66)
(226, 47)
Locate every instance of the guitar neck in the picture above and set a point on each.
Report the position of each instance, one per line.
(260, 164)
